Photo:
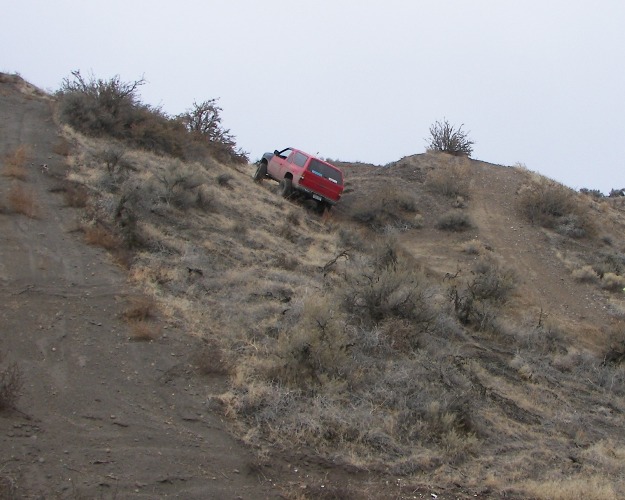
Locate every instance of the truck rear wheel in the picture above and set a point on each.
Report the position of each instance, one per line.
(286, 187)
(261, 172)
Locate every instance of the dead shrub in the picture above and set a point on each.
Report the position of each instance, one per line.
(224, 180)
(144, 331)
(113, 159)
(473, 247)
(492, 281)
(100, 236)
(22, 201)
(585, 274)
(454, 221)
(546, 338)
(613, 262)
(75, 195)
(613, 282)
(387, 288)
(15, 163)
(211, 360)
(11, 383)
(389, 207)
(554, 206)
(140, 309)
(179, 182)
(476, 301)
(316, 350)
(446, 138)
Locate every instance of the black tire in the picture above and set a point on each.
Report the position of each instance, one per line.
(286, 187)
(261, 172)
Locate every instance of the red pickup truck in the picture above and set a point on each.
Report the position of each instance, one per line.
(302, 174)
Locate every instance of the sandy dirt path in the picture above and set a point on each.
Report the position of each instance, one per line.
(100, 416)
(544, 280)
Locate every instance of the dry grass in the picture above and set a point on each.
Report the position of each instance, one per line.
(140, 308)
(22, 201)
(580, 488)
(455, 220)
(142, 318)
(473, 247)
(11, 383)
(75, 195)
(552, 205)
(334, 340)
(451, 180)
(211, 360)
(613, 282)
(585, 274)
(389, 206)
(102, 237)
(144, 331)
(15, 163)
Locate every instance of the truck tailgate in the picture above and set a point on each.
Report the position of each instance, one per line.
(322, 179)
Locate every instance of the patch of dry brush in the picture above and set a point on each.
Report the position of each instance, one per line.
(11, 383)
(15, 163)
(22, 201)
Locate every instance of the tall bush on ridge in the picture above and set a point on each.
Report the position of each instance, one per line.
(446, 138)
(99, 107)
(203, 121)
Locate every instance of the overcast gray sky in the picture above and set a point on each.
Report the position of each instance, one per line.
(541, 82)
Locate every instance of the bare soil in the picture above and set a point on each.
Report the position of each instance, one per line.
(100, 416)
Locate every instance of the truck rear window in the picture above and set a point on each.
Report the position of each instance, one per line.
(326, 171)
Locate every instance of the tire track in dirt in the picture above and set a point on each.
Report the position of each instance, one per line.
(101, 416)
(545, 282)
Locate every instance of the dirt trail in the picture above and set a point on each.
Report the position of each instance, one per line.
(545, 281)
(101, 416)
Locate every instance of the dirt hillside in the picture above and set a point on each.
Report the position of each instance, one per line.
(182, 331)
(101, 416)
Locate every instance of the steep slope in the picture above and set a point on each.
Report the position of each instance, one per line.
(422, 338)
(100, 416)
(546, 282)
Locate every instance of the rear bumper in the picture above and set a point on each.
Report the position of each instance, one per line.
(316, 196)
